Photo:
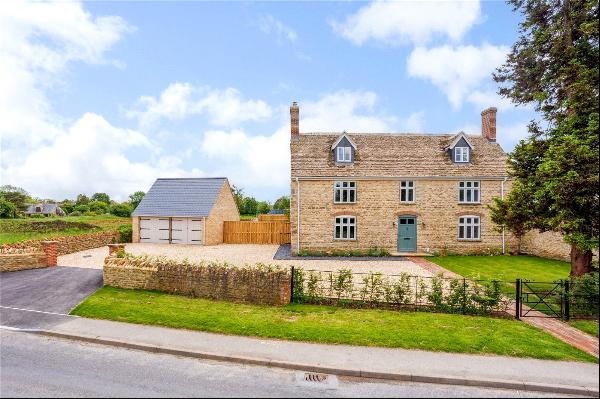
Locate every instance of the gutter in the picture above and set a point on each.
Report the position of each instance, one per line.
(488, 178)
(298, 213)
(503, 228)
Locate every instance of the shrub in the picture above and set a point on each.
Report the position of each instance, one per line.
(8, 210)
(122, 210)
(378, 252)
(583, 295)
(75, 213)
(125, 233)
(37, 216)
(98, 207)
(82, 208)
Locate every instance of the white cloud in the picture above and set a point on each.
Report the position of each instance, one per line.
(90, 156)
(180, 100)
(415, 123)
(482, 99)
(37, 41)
(272, 26)
(344, 110)
(398, 22)
(458, 71)
(264, 160)
(41, 151)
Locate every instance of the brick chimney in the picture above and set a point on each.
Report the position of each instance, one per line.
(488, 123)
(295, 120)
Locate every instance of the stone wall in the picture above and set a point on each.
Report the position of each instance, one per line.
(210, 280)
(224, 209)
(548, 244)
(70, 244)
(10, 262)
(377, 209)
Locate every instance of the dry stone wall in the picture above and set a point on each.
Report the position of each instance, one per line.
(10, 262)
(210, 280)
(70, 244)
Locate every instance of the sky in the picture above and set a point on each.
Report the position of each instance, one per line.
(109, 96)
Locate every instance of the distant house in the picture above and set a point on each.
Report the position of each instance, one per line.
(185, 211)
(44, 208)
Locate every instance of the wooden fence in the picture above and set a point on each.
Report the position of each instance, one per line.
(273, 218)
(250, 232)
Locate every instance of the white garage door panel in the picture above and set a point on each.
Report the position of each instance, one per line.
(180, 230)
(195, 231)
(148, 230)
(163, 230)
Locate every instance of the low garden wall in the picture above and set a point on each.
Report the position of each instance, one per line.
(70, 244)
(259, 284)
(10, 262)
(14, 259)
(548, 244)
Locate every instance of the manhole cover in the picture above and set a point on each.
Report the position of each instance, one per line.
(317, 380)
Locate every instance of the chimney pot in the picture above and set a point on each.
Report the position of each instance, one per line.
(295, 121)
(488, 123)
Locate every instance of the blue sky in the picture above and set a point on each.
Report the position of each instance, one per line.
(108, 96)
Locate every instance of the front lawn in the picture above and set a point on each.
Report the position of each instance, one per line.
(505, 268)
(15, 230)
(410, 330)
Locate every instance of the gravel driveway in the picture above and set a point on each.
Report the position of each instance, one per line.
(240, 254)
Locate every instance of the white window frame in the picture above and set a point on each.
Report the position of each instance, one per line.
(350, 221)
(471, 224)
(343, 154)
(461, 154)
(344, 187)
(469, 186)
(409, 186)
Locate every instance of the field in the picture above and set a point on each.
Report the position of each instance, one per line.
(15, 230)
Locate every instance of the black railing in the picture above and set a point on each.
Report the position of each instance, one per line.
(379, 290)
(563, 299)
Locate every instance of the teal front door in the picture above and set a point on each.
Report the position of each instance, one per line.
(407, 233)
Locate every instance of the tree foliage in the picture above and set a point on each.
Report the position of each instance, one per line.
(554, 66)
(102, 197)
(15, 195)
(8, 210)
(282, 202)
(136, 198)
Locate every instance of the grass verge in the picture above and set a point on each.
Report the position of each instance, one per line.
(588, 326)
(330, 325)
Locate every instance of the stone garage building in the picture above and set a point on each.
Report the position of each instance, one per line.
(185, 211)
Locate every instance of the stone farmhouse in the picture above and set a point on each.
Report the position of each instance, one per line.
(407, 193)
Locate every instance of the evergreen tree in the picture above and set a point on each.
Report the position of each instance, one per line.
(554, 66)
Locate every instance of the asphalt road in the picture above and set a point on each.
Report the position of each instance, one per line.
(39, 298)
(32, 365)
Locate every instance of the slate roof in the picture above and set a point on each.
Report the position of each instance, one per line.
(46, 209)
(395, 155)
(184, 197)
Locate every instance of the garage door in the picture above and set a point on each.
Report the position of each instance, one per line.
(171, 230)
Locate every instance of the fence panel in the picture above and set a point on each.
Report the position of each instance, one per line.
(273, 218)
(251, 232)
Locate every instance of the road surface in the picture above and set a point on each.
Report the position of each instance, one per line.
(34, 365)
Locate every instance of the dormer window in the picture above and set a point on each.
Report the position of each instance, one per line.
(344, 150)
(344, 154)
(461, 154)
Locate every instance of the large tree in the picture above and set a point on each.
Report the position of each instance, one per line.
(554, 66)
(136, 198)
(102, 197)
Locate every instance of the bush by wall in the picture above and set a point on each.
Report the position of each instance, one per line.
(258, 284)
